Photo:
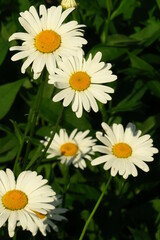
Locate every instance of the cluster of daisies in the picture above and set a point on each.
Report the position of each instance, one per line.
(52, 43)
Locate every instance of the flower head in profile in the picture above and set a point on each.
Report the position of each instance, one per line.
(68, 3)
(47, 38)
(55, 215)
(71, 149)
(20, 200)
(124, 149)
(82, 81)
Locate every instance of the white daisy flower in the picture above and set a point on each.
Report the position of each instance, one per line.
(81, 81)
(74, 149)
(68, 3)
(124, 149)
(47, 38)
(53, 215)
(21, 199)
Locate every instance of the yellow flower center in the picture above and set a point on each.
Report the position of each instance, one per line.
(122, 150)
(40, 215)
(47, 41)
(14, 200)
(80, 81)
(69, 149)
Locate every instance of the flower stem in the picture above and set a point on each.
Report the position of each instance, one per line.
(47, 146)
(94, 209)
(53, 133)
(32, 118)
(21, 146)
(107, 21)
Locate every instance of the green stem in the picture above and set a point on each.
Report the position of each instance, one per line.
(21, 146)
(122, 187)
(34, 117)
(107, 22)
(66, 184)
(48, 144)
(30, 124)
(94, 209)
(53, 133)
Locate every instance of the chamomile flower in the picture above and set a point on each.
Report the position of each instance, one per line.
(71, 149)
(47, 38)
(124, 149)
(81, 82)
(21, 199)
(68, 3)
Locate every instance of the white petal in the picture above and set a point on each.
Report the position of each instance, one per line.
(68, 99)
(23, 54)
(92, 101)
(59, 96)
(4, 216)
(29, 60)
(75, 104)
(99, 160)
(11, 178)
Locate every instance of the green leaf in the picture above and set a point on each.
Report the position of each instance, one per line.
(156, 204)
(35, 155)
(108, 53)
(4, 45)
(149, 123)
(140, 234)
(9, 146)
(8, 93)
(126, 8)
(132, 101)
(49, 110)
(158, 3)
(6, 30)
(154, 86)
(120, 40)
(17, 131)
(151, 58)
(148, 34)
(84, 5)
(71, 121)
(140, 64)
(24, 5)
(43, 131)
(157, 235)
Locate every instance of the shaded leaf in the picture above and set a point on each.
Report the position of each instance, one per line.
(132, 101)
(4, 45)
(149, 123)
(120, 40)
(108, 53)
(148, 34)
(49, 110)
(126, 8)
(154, 86)
(9, 147)
(8, 93)
(139, 234)
(140, 64)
